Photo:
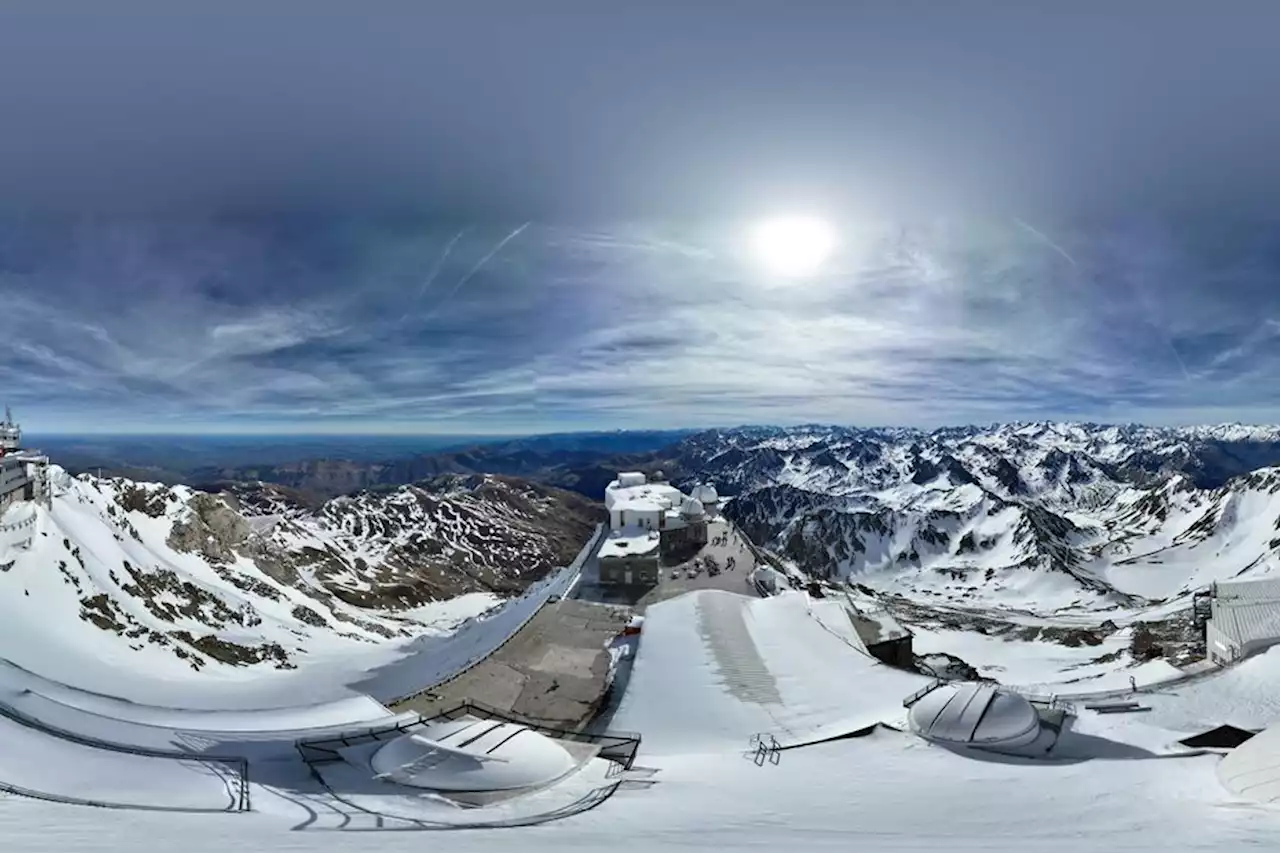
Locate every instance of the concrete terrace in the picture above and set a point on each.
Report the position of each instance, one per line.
(553, 671)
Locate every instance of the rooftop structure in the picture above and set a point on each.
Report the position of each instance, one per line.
(1252, 770)
(24, 474)
(647, 520)
(634, 502)
(706, 493)
(472, 755)
(974, 714)
(884, 636)
(630, 543)
(10, 433)
(1244, 618)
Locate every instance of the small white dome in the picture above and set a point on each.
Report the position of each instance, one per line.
(974, 714)
(470, 755)
(706, 493)
(692, 508)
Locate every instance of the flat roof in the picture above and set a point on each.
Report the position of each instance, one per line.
(649, 497)
(878, 626)
(630, 543)
(1263, 589)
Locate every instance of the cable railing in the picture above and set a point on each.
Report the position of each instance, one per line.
(238, 764)
(922, 692)
(617, 747)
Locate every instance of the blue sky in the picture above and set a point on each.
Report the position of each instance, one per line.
(485, 216)
(364, 325)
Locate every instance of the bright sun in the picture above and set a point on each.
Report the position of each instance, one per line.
(793, 246)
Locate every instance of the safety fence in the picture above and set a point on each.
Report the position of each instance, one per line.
(1051, 701)
(617, 747)
(765, 747)
(237, 768)
(380, 817)
(922, 692)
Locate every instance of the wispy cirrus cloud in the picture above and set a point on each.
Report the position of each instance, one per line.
(401, 326)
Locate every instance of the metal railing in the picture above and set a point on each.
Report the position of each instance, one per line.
(765, 747)
(586, 803)
(617, 747)
(1049, 700)
(922, 692)
(239, 765)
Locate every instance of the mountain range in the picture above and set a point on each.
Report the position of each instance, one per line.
(259, 564)
(1035, 516)
(253, 575)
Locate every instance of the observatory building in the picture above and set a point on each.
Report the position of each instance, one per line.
(646, 520)
(24, 474)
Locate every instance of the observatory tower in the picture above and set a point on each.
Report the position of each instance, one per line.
(24, 474)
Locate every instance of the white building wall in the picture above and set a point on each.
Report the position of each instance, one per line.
(1244, 619)
(1219, 646)
(650, 519)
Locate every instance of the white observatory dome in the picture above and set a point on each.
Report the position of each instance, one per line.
(471, 755)
(706, 493)
(974, 714)
(692, 508)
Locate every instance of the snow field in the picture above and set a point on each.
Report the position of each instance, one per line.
(51, 766)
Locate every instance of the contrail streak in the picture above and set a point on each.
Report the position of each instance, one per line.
(435, 269)
(1044, 238)
(1164, 336)
(480, 264)
(496, 249)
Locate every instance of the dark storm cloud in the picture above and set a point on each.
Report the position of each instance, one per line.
(585, 109)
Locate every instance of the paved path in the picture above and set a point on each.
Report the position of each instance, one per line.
(553, 671)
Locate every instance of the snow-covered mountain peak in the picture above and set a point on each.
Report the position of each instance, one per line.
(1102, 514)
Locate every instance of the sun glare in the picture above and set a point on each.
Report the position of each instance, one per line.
(793, 246)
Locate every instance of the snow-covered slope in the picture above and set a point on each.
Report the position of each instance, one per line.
(712, 669)
(1041, 517)
(119, 577)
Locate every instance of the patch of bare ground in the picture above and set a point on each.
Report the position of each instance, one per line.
(133, 497)
(1174, 639)
(237, 654)
(212, 529)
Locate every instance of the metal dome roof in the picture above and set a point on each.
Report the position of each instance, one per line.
(692, 507)
(706, 493)
(975, 714)
(470, 755)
